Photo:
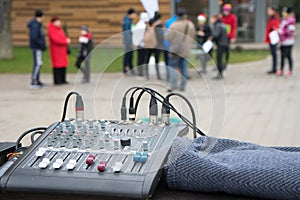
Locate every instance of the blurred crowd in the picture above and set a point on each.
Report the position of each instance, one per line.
(281, 31)
(175, 40)
(169, 42)
(59, 49)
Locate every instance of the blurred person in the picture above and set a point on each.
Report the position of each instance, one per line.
(138, 32)
(202, 34)
(58, 50)
(37, 45)
(187, 31)
(85, 47)
(287, 39)
(127, 40)
(230, 21)
(168, 23)
(155, 22)
(219, 36)
(272, 25)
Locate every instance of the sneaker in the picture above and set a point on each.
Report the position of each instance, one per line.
(42, 84)
(218, 77)
(288, 73)
(271, 72)
(279, 73)
(35, 86)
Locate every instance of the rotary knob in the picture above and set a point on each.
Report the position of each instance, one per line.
(125, 141)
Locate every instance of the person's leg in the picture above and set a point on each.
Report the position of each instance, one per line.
(167, 60)
(166, 57)
(37, 63)
(129, 58)
(282, 54)
(173, 72)
(86, 74)
(144, 60)
(64, 74)
(148, 56)
(289, 57)
(203, 62)
(227, 54)
(140, 60)
(273, 49)
(126, 58)
(183, 65)
(220, 52)
(56, 77)
(156, 55)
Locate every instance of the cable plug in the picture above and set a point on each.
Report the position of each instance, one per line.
(131, 109)
(79, 108)
(153, 109)
(123, 110)
(165, 112)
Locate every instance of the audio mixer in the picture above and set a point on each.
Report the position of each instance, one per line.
(103, 157)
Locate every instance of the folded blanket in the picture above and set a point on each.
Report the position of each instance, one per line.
(209, 164)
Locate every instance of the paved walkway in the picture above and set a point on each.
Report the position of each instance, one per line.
(258, 107)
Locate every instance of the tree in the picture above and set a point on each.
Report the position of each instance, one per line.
(6, 48)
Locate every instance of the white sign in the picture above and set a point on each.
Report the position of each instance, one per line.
(150, 6)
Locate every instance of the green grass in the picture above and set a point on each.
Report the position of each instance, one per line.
(104, 59)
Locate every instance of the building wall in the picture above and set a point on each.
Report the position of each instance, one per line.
(104, 17)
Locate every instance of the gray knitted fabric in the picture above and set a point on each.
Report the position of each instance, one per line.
(208, 164)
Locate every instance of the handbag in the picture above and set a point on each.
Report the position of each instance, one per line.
(178, 47)
(150, 40)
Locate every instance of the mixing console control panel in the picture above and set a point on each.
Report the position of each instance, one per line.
(104, 157)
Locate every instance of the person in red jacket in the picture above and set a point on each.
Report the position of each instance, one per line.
(230, 21)
(58, 43)
(272, 25)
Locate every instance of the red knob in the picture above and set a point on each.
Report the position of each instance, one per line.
(90, 160)
(102, 166)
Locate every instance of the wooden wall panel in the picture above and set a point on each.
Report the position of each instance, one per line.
(104, 17)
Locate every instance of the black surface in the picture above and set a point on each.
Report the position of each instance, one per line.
(5, 148)
(162, 193)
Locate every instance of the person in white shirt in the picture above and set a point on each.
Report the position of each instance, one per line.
(137, 40)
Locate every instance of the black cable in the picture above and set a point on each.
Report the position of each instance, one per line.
(66, 105)
(123, 106)
(191, 108)
(34, 134)
(141, 94)
(169, 105)
(18, 142)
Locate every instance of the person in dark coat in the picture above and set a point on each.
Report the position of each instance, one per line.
(219, 36)
(58, 50)
(38, 45)
(127, 41)
(85, 47)
(202, 34)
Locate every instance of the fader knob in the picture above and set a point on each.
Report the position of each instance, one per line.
(73, 128)
(125, 141)
(103, 125)
(79, 123)
(145, 146)
(106, 136)
(90, 159)
(91, 123)
(116, 144)
(67, 122)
